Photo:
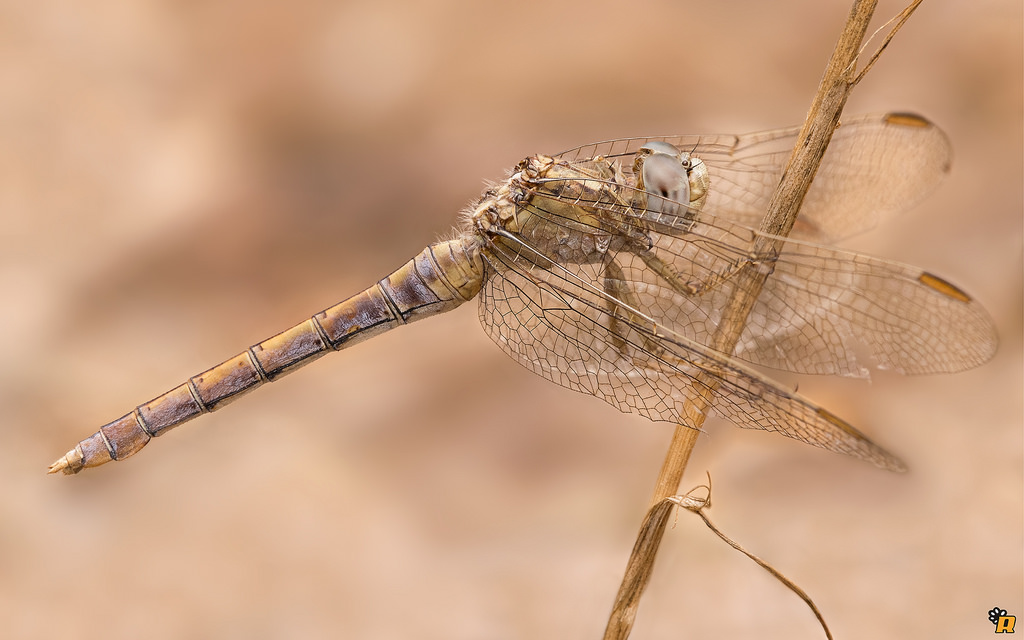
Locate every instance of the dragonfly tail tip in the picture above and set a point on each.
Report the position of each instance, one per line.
(66, 464)
(59, 466)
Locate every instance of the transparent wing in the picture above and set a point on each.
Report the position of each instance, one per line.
(560, 322)
(876, 166)
(821, 310)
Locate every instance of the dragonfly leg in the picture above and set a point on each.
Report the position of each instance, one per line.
(615, 287)
(689, 287)
(621, 318)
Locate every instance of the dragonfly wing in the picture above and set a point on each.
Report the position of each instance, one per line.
(876, 166)
(901, 318)
(559, 322)
(821, 311)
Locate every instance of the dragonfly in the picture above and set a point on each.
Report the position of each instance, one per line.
(606, 268)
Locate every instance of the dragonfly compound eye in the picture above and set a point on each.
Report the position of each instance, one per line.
(664, 176)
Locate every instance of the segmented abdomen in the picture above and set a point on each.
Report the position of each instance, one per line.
(440, 278)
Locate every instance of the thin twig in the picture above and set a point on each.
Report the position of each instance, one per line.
(700, 505)
(815, 135)
(897, 22)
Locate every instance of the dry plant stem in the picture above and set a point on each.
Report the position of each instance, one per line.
(679, 450)
(839, 79)
(638, 570)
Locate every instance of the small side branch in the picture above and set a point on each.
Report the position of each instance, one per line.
(897, 23)
(700, 504)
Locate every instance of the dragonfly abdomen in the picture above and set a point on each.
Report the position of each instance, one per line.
(440, 278)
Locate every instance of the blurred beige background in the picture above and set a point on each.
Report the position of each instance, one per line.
(179, 180)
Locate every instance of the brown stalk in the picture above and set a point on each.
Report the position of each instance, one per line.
(822, 119)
